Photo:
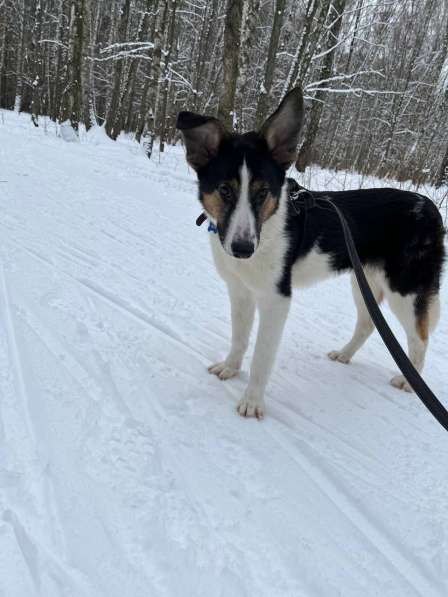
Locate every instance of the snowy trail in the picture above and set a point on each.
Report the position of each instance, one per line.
(124, 469)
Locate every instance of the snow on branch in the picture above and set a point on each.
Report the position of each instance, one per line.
(358, 91)
(53, 41)
(342, 41)
(374, 5)
(313, 84)
(125, 52)
(142, 45)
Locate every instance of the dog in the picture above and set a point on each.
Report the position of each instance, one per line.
(263, 248)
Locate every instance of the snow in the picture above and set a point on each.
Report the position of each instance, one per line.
(124, 469)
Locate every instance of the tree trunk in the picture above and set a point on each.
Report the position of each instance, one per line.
(198, 61)
(266, 85)
(297, 68)
(3, 18)
(230, 62)
(142, 113)
(398, 101)
(126, 102)
(248, 31)
(72, 103)
(112, 122)
(24, 104)
(88, 113)
(305, 152)
(20, 75)
(166, 75)
(36, 57)
(154, 85)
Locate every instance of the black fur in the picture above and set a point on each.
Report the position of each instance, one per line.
(399, 231)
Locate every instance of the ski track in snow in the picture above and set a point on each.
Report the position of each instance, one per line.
(124, 468)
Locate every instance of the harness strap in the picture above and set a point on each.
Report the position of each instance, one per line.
(414, 378)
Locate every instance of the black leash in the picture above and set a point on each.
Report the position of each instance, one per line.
(303, 199)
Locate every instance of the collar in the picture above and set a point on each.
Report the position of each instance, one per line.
(201, 219)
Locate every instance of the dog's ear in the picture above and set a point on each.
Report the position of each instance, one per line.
(202, 136)
(282, 129)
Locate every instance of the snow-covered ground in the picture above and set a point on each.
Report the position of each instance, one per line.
(124, 469)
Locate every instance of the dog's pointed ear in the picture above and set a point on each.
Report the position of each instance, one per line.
(202, 136)
(282, 129)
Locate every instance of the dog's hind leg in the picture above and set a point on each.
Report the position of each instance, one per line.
(364, 324)
(242, 306)
(418, 320)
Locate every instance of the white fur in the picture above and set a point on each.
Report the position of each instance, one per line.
(364, 324)
(242, 306)
(273, 310)
(242, 223)
(314, 267)
(403, 309)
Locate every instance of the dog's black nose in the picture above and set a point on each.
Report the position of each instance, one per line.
(242, 248)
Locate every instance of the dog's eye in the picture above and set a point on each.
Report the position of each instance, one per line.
(225, 191)
(262, 194)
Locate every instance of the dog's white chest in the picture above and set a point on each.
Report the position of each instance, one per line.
(310, 269)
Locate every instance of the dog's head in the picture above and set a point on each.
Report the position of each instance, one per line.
(241, 176)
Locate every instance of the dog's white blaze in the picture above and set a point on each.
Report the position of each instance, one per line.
(242, 223)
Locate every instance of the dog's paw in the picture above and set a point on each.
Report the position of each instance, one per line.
(339, 356)
(251, 405)
(223, 370)
(400, 382)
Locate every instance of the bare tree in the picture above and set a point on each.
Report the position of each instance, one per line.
(335, 17)
(112, 119)
(232, 38)
(247, 43)
(72, 98)
(268, 77)
(166, 76)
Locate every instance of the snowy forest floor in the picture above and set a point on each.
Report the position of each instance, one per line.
(124, 468)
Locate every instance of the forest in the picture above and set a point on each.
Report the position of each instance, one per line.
(374, 72)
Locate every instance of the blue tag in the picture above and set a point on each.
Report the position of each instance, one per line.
(212, 228)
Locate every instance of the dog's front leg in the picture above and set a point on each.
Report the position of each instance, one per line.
(273, 310)
(242, 304)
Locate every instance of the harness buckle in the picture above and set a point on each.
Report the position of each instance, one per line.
(300, 197)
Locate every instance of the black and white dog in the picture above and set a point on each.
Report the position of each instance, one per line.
(262, 252)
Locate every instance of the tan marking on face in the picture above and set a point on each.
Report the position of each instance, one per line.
(213, 204)
(423, 327)
(268, 208)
